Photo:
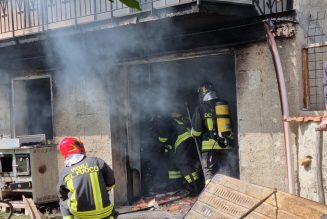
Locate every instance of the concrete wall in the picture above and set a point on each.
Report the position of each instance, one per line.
(307, 136)
(308, 141)
(78, 110)
(74, 112)
(81, 109)
(262, 155)
(312, 10)
(261, 138)
(261, 145)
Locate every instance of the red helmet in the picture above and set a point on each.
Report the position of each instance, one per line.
(70, 145)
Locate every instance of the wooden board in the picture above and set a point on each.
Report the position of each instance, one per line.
(228, 198)
(31, 208)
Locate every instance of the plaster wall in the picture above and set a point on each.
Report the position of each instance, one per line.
(315, 11)
(77, 114)
(307, 136)
(261, 148)
(74, 112)
(262, 154)
(261, 138)
(81, 109)
(308, 141)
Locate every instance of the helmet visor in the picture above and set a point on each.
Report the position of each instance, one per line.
(210, 96)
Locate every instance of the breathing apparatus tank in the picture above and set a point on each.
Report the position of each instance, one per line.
(224, 126)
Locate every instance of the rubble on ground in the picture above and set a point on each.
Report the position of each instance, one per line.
(173, 203)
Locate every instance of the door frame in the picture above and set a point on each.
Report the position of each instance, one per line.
(12, 96)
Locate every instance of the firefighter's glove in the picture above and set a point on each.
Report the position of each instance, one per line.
(222, 142)
(166, 148)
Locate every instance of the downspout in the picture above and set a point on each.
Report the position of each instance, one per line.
(269, 28)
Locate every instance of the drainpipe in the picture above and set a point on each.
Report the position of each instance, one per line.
(269, 27)
(318, 173)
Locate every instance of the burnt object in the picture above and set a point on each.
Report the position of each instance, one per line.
(20, 185)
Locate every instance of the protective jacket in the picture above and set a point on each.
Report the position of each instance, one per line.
(83, 189)
(176, 137)
(204, 127)
(173, 132)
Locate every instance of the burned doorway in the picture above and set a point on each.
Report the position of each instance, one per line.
(32, 106)
(143, 91)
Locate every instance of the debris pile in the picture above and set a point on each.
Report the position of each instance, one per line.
(173, 202)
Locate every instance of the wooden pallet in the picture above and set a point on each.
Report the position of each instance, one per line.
(31, 209)
(229, 198)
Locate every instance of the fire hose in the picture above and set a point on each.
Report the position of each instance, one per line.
(269, 28)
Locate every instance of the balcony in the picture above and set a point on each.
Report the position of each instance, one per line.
(25, 17)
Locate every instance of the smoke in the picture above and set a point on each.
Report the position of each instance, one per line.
(229, 166)
(94, 95)
(4, 104)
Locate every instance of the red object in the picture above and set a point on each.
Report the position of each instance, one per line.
(70, 145)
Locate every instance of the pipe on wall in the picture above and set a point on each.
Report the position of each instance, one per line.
(283, 101)
(318, 162)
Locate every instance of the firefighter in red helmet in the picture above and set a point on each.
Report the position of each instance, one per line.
(84, 183)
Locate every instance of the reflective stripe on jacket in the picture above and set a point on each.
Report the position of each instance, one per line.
(173, 131)
(210, 144)
(174, 174)
(203, 124)
(84, 186)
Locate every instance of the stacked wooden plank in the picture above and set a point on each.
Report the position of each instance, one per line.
(229, 198)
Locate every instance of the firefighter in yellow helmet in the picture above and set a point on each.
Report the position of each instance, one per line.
(84, 183)
(211, 126)
(180, 150)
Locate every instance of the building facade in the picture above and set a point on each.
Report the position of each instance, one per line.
(102, 72)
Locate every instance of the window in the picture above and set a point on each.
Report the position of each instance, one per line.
(313, 58)
(23, 164)
(32, 106)
(5, 163)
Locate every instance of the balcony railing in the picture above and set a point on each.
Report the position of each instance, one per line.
(23, 17)
(265, 7)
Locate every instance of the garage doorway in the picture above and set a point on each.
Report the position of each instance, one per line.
(139, 92)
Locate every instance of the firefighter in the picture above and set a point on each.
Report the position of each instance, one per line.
(211, 126)
(178, 145)
(84, 183)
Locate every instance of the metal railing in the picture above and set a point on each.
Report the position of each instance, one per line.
(23, 17)
(265, 7)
